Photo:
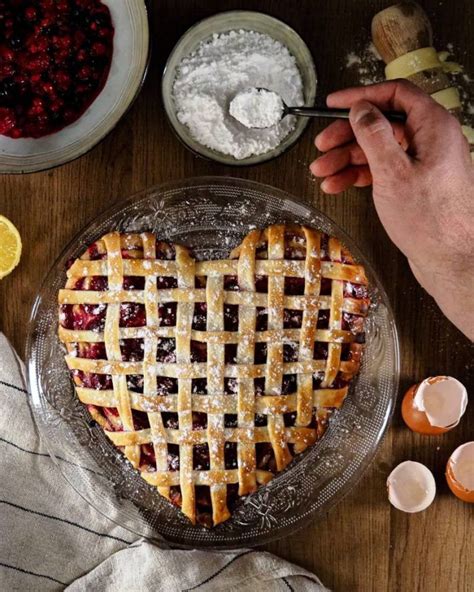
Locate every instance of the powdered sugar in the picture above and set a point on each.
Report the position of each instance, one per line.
(367, 64)
(220, 68)
(257, 108)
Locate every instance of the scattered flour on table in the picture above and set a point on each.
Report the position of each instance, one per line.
(368, 67)
(229, 63)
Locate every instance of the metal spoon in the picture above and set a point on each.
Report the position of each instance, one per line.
(283, 110)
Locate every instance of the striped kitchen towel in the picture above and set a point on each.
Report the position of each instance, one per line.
(51, 539)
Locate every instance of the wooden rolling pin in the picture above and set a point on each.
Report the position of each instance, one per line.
(403, 37)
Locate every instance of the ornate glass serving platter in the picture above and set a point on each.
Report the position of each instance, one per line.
(211, 215)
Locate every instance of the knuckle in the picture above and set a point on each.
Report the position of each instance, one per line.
(401, 171)
(406, 84)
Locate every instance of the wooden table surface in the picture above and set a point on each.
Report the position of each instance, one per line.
(363, 544)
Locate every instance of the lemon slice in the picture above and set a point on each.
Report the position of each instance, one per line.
(10, 247)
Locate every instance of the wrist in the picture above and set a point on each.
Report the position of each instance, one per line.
(453, 290)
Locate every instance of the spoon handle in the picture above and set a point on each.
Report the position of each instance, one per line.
(340, 113)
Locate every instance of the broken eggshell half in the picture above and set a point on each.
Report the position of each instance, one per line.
(460, 472)
(434, 406)
(411, 487)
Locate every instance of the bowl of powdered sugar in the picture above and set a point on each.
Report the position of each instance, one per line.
(225, 55)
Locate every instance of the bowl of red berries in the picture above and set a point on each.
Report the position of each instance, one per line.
(69, 70)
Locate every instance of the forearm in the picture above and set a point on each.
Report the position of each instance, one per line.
(454, 294)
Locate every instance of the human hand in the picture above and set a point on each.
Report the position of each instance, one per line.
(423, 184)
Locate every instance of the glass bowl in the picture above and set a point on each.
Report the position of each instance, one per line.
(222, 23)
(210, 214)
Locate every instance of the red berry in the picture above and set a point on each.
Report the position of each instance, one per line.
(61, 55)
(79, 38)
(45, 23)
(48, 88)
(99, 49)
(61, 41)
(56, 105)
(30, 13)
(7, 120)
(37, 107)
(6, 70)
(39, 63)
(63, 80)
(6, 54)
(39, 45)
(84, 73)
(21, 80)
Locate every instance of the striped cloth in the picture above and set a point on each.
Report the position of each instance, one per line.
(51, 539)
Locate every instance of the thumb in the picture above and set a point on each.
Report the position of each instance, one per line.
(374, 134)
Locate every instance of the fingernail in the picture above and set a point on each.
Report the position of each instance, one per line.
(364, 112)
(323, 186)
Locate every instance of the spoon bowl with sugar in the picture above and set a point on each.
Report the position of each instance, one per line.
(260, 108)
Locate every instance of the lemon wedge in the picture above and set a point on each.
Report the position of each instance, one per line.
(10, 247)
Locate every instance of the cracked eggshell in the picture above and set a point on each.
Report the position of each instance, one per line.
(460, 472)
(434, 406)
(411, 487)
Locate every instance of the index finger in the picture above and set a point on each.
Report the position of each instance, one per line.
(401, 95)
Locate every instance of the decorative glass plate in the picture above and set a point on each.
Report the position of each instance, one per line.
(211, 215)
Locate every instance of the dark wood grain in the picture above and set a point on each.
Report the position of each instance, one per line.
(363, 544)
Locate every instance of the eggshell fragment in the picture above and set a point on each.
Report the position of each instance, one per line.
(411, 487)
(460, 472)
(434, 406)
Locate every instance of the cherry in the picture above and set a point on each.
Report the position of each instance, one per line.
(6, 70)
(63, 80)
(56, 105)
(91, 351)
(132, 315)
(6, 54)
(7, 120)
(84, 73)
(99, 49)
(31, 14)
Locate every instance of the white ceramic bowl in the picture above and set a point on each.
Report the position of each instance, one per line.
(127, 73)
(221, 23)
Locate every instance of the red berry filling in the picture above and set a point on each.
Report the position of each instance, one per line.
(55, 57)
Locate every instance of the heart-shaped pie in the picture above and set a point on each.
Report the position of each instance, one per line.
(211, 376)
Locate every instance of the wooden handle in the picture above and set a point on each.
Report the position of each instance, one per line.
(401, 29)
